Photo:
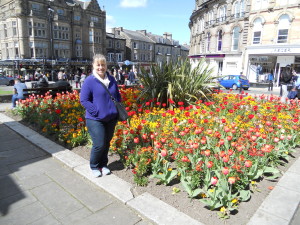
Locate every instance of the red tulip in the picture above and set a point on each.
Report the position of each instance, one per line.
(231, 180)
(214, 180)
(164, 152)
(248, 163)
(225, 170)
(136, 140)
(209, 164)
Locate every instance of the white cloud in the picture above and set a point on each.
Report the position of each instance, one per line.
(133, 3)
(110, 22)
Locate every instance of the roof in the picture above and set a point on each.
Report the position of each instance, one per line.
(157, 39)
(111, 35)
(185, 47)
(136, 35)
(83, 4)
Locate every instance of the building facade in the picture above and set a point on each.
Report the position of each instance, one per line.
(116, 50)
(54, 34)
(254, 37)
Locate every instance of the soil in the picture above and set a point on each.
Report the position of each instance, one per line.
(192, 207)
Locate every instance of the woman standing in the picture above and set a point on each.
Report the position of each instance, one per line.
(101, 113)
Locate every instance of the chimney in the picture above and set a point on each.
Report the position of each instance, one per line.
(165, 35)
(169, 36)
(144, 32)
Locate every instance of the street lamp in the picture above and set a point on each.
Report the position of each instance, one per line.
(50, 19)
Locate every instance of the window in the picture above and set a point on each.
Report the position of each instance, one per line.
(235, 38)
(118, 44)
(135, 56)
(283, 28)
(135, 45)
(110, 57)
(222, 13)
(220, 36)
(208, 42)
(78, 50)
(94, 19)
(239, 9)
(119, 57)
(60, 12)
(257, 28)
(77, 17)
(110, 45)
(5, 30)
(35, 7)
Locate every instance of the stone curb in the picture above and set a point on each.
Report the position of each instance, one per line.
(147, 205)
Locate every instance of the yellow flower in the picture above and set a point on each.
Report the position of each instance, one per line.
(253, 182)
(223, 209)
(211, 190)
(234, 200)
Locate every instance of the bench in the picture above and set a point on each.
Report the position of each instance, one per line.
(43, 90)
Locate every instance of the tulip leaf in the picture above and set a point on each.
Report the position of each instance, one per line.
(245, 195)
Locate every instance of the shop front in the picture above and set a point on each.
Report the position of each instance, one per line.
(262, 60)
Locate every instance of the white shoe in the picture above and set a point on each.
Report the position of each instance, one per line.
(96, 173)
(105, 171)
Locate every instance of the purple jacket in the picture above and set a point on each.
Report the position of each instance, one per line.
(97, 101)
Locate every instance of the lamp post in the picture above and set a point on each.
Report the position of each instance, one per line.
(50, 20)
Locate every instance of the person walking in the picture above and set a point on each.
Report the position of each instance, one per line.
(131, 76)
(285, 80)
(18, 92)
(77, 79)
(101, 113)
(270, 80)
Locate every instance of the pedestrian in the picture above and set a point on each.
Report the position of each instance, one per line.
(18, 92)
(270, 80)
(131, 76)
(61, 82)
(101, 113)
(82, 79)
(285, 81)
(77, 79)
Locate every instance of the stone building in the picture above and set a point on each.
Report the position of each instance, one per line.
(273, 38)
(139, 47)
(248, 36)
(116, 50)
(55, 34)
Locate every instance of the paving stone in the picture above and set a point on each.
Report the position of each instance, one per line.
(7, 144)
(295, 168)
(57, 200)
(91, 197)
(145, 222)
(34, 181)
(8, 187)
(114, 214)
(76, 216)
(47, 220)
(16, 155)
(69, 158)
(16, 201)
(33, 167)
(262, 217)
(25, 215)
(4, 170)
(112, 184)
(151, 207)
(281, 203)
(290, 181)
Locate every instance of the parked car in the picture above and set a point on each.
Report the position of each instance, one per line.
(6, 80)
(235, 82)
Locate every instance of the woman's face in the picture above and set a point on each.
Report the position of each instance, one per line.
(100, 67)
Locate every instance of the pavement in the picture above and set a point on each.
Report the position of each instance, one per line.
(43, 183)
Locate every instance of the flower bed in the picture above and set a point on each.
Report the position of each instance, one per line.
(218, 150)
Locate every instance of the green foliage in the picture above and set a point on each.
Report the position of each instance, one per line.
(178, 82)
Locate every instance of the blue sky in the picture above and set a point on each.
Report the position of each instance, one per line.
(155, 16)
